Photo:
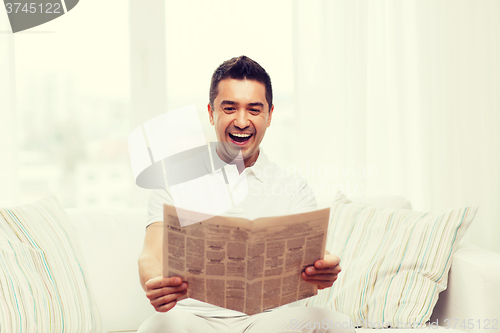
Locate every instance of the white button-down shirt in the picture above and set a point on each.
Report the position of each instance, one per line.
(268, 191)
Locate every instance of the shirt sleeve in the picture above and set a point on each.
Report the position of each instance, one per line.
(155, 205)
(303, 199)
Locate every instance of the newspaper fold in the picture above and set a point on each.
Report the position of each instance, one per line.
(243, 265)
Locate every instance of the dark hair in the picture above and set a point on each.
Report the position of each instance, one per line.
(240, 68)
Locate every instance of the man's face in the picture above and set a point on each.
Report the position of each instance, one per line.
(241, 116)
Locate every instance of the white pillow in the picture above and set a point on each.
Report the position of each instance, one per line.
(43, 284)
(395, 262)
(383, 201)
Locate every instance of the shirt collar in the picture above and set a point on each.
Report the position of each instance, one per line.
(258, 169)
(260, 166)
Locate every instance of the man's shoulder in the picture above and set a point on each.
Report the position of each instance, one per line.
(159, 193)
(273, 171)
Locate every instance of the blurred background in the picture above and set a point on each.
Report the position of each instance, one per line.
(371, 97)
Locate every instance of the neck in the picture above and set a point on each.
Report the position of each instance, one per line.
(252, 159)
(247, 162)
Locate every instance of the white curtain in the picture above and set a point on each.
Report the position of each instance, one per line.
(402, 97)
(9, 191)
(64, 109)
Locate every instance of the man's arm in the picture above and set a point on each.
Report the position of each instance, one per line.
(162, 292)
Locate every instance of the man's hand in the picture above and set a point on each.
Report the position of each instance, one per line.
(163, 292)
(324, 272)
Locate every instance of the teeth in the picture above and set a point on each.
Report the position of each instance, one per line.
(241, 135)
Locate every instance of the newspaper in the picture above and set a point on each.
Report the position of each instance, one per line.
(243, 265)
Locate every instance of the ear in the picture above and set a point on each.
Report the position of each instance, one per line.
(210, 114)
(270, 116)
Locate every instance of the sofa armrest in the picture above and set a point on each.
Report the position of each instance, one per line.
(473, 292)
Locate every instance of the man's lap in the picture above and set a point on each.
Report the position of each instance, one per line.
(293, 319)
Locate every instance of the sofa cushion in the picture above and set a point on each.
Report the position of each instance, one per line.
(383, 201)
(43, 283)
(394, 262)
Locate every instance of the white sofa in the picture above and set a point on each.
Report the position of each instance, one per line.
(112, 243)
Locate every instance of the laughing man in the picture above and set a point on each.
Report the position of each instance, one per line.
(240, 109)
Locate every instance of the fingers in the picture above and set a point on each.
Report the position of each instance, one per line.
(163, 300)
(155, 293)
(164, 292)
(330, 261)
(319, 277)
(160, 282)
(324, 272)
(321, 280)
(311, 270)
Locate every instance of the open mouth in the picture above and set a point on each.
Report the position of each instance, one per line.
(240, 138)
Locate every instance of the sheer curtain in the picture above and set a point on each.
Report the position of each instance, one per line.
(403, 98)
(64, 108)
(9, 191)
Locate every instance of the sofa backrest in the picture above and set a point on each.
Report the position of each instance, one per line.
(112, 242)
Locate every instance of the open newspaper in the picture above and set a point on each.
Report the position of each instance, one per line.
(243, 265)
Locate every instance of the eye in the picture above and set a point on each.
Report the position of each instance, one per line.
(254, 111)
(229, 109)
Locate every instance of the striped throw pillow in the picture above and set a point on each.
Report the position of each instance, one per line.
(43, 287)
(395, 262)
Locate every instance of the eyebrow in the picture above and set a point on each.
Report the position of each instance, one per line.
(235, 103)
(256, 104)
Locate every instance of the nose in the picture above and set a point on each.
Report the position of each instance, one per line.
(241, 119)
